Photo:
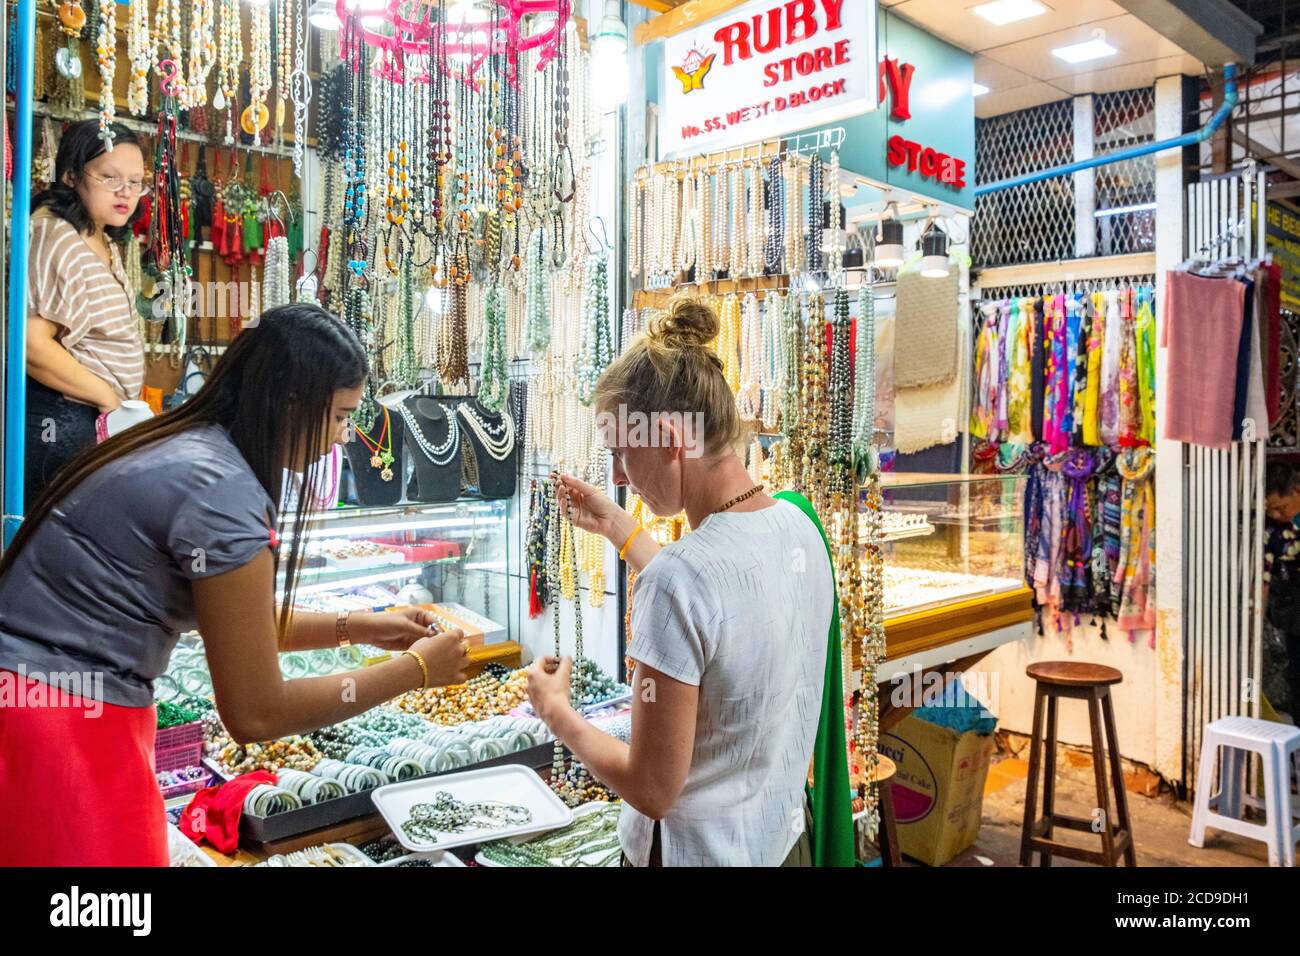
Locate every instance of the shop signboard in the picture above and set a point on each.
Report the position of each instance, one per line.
(766, 69)
(1282, 238)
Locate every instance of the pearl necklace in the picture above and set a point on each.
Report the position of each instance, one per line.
(635, 266)
(864, 378)
(835, 254)
(772, 368)
(106, 51)
(757, 252)
(722, 215)
(729, 341)
(537, 324)
(749, 399)
(440, 455)
(686, 226)
(704, 254)
(736, 224)
(498, 447)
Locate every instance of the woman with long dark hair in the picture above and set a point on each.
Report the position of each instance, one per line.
(165, 526)
(84, 354)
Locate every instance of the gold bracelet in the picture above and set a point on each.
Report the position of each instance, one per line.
(424, 668)
(341, 629)
(622, 552)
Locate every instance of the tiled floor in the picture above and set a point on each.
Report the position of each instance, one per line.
(1160, 824)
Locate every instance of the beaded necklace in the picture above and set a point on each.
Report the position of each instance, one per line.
(106, 56)
(813, 239)
(443, 453)
(380, 446)
(775, 215)
(728, 345)
(140, 51)
(772, 360)
(494, 382)
(596, 344)
(256, 115)
(736, 223)
(756, 245)
(563, 568)
(840, 425)
(864, 379)
(203, 52)
(814, 432)
(230, 54)
(749, 397)
(497, 439)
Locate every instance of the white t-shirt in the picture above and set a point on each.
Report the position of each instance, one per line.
(740, 608)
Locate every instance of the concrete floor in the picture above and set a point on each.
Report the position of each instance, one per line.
(1160, 823)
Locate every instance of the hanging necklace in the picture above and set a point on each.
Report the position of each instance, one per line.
(140, 51)
(167, 36)
(203, 52)
(256, 115)
(864, 379)
(497, 439)
(596, 345)
(381, 447)
(494, 381)
(230, 56)
(441, 454)
(106, 55)
(275, 273)
(563, 568)
(749, 397)
(300, 90)
(728, 346)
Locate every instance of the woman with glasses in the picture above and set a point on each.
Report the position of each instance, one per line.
(84, 354)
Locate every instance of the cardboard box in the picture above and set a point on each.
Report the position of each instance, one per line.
(938, 789)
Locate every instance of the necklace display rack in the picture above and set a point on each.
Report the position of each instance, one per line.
(376, 458)
(433, 440)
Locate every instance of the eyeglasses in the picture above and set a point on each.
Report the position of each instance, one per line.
(115, 184)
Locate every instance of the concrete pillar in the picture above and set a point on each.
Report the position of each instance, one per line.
(1170, 233)
(1085, 182)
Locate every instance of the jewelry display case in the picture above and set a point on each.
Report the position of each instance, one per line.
(954, 565)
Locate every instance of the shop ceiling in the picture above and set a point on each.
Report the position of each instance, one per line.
(1152, 38)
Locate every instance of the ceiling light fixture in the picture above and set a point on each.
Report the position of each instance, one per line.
(1001, 12)
(1093, 49)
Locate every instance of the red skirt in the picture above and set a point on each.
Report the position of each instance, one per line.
(77, 784)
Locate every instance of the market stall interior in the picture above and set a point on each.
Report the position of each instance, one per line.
(451, 178)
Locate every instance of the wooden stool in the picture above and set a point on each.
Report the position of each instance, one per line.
(887, 832)
(1090, 682)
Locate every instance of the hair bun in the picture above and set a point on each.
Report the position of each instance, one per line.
(688, 324)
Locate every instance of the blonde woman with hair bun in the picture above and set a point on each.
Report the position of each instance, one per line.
(729, 624)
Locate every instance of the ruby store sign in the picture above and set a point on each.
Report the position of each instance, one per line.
(767, 69)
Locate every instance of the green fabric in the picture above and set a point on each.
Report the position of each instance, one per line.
(294, 238)
(830, 798)
(252, 233)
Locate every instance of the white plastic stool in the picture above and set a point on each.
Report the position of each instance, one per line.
(1278, 745)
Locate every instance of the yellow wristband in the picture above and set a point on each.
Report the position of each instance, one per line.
(424, 668)
(622, 552)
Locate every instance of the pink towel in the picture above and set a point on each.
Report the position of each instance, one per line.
(1202, 330)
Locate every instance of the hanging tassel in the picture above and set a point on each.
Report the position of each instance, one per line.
(535, 606)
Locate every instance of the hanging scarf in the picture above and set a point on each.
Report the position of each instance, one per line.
(981, 413)
(1004, 359)
(1075, 567)
(1065, 397)
(1145, 332)
(1081, 370)
(1047, 567)
(1036, 369)
(1130, 412)
(1091, 434)
(1058, 392)
(1108, 398)
(1135, 575)
(1105, 497)
(1019, 378)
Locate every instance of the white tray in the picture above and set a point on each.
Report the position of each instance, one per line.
(438, 858)
(183, 851)
(510, 783)
(342, 849)
(583, 810)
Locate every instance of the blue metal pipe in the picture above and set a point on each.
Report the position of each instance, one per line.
(1187, 139)
(20, 238)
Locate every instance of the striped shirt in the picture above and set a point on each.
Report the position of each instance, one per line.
(93, 304)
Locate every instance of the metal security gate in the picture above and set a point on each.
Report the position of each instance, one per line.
(1223, 493)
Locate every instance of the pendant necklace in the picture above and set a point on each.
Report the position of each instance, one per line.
(381, 448)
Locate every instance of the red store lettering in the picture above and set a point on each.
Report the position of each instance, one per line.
(822, 58)
(742, 39)
(930, 163)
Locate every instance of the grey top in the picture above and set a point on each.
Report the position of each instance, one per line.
(103, 585)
